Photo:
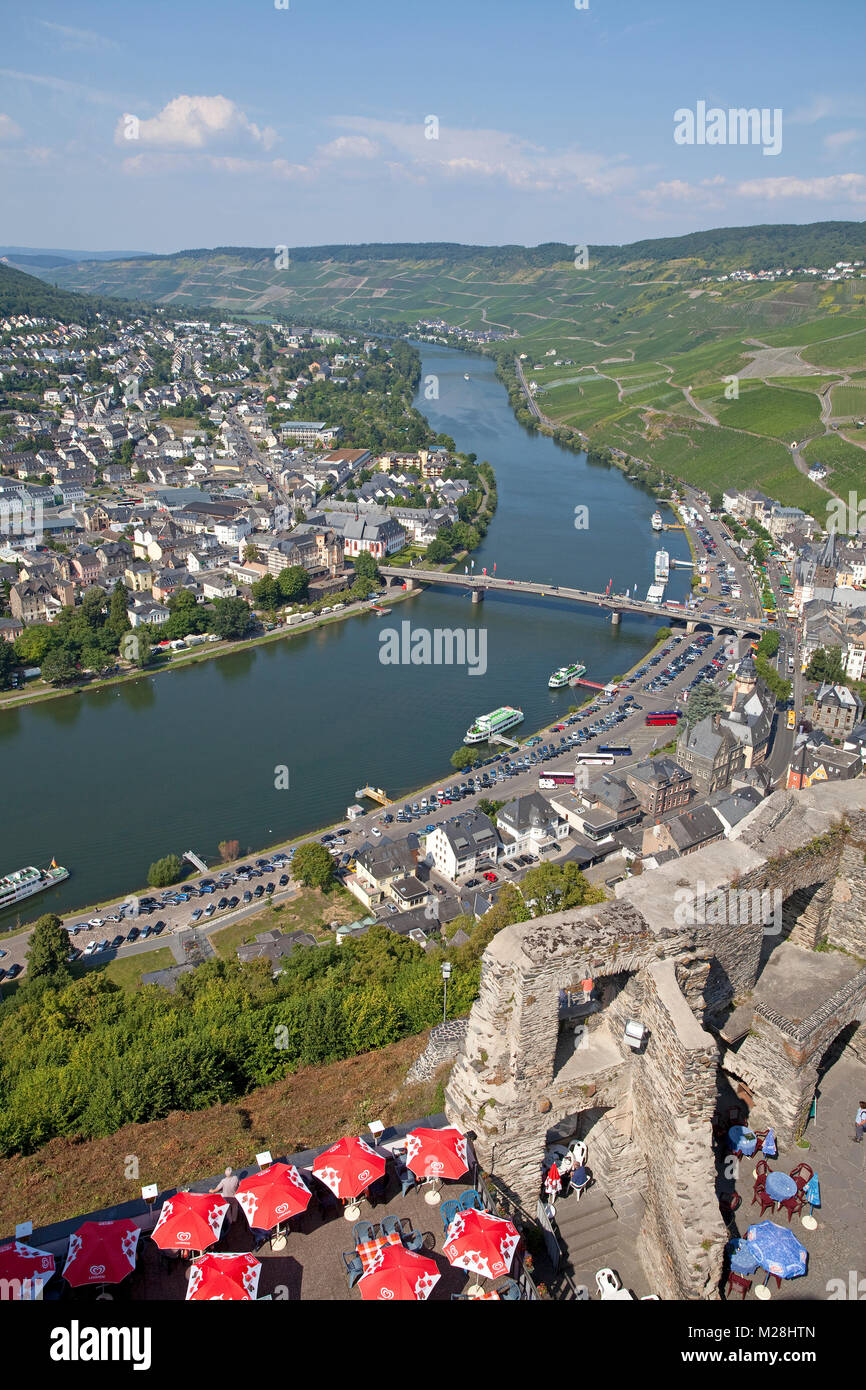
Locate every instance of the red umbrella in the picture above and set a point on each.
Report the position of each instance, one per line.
(348, 1167)
(23, 1270)
(190, 1221)
(437, 1153)
(218, 1277)
(399, 1274)
(101, 1252)
(482, 1243)
(273, 1196)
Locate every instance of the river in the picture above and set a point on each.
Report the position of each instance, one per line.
(108, 781)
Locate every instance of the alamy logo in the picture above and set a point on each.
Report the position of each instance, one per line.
(855, 1289)
(737, 126)
(732, 907)
(441, 646)
(77, 1343)
(846, 518)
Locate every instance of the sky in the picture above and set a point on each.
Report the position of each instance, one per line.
(185, 123)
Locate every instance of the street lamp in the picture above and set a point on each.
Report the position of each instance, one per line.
(446, 976)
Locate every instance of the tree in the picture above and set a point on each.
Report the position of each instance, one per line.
(251, 553)
(118, 618)
(769, 644)
(717, 502)
(231, 618)
(59, 667)
(366, 567)
(33, 644)
(266, 592)
(7, 665)
(662, 635)
(164, 871)
(489, 808)
(313, 866)
(49, 948)
(705, 699)
(229, 850)
(556, 888)
(293, 583)
(462, 758)
(826, 665)
(437, 551)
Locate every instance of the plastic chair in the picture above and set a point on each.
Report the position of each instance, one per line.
(391, 1225)
(767, 1203)
(606, 1282)
(470, 1201)
(354, 1268)
(729, 1204)
(407, 1180)
(578, 1151)
(362, 1231)
(738, 1281)
(761, 1168)
(448, 1211)
(793, 1205)
(801, 1175)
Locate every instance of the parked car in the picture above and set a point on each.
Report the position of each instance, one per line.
(133, 934)
(13, 971)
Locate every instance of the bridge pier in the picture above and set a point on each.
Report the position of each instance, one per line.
(691, 625)
(478, 595)
(615, 617)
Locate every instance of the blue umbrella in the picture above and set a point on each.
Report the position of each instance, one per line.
(743, 1257)
(778, 1250)
(812, 1192)
(768, 1148)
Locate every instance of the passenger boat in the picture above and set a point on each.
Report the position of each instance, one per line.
(23, 883)
(496, 722)
(566, 675)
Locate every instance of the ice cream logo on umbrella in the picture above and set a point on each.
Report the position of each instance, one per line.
(386, 1293)
(281, 1209)
(435, 1165)
(184, 1235)
(364, 1175)
(97, 1271)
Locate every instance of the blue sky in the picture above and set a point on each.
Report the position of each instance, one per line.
(181, 123)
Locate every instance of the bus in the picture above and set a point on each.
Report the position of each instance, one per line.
(596, 759)
(792, 719)
(663, 716)
(618, 750)
(556, 779)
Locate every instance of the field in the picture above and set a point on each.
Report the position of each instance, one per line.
(126, 971)
(846, 460)
(849, 401)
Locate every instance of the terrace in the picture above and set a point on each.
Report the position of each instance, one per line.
(309, 1266)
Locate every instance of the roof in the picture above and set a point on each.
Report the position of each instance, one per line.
(471, 832)
(695, 827)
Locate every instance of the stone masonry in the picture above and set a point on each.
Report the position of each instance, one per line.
(524, 1078)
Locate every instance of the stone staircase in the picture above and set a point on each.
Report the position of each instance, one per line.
(594, 1236)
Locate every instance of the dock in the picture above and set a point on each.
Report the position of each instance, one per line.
(373, 794)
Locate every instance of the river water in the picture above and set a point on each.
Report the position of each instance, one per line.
(108, 781)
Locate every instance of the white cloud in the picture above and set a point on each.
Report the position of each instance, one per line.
(349, 147)
(9, 130)
(491, 154)
(78, 40)
(834, 188)
(193, 123)
(840, 139)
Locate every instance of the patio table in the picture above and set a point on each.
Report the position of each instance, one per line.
(368, 1250)
(486, 1293)
(780, 1186)
(742, 1140)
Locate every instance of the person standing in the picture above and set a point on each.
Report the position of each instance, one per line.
(227, 1187)
(860, 1123)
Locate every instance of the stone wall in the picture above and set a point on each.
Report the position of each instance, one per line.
(444, 1042)
(519, 1084)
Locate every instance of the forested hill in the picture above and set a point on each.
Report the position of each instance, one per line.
(25, 294)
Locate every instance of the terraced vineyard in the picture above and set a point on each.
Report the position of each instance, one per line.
(713, 380)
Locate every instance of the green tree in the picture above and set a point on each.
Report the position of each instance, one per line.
(33, 644)
(49, 948)
(59, 667)
(556, 888)
(462, 758)
(366, 567)
(826, 665)
(7, 664)
(489, 808)
(164, 871)
(118, 618)
(266, 592)
(705, 699)
(293, 582)
(769, 644)
(313, 866)
(231, 618)
(438, 551)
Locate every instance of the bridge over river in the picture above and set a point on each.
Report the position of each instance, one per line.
(615, 604)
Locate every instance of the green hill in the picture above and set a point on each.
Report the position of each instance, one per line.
(26, 294)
